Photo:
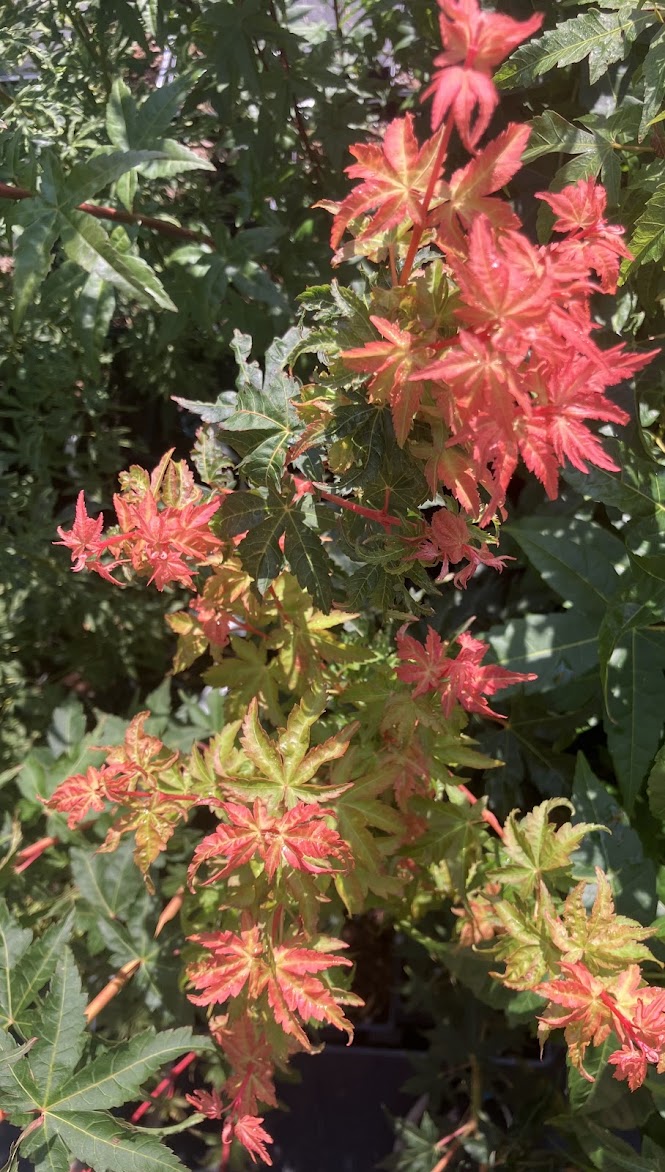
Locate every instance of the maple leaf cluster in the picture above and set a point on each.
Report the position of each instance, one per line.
(162, 533)
(462, 679)
(511, 370)
(594, 1008)
(145, 778)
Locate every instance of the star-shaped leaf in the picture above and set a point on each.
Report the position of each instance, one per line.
(67, 1098)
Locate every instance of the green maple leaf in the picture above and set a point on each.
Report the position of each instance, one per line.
(285, 769)
(266, 522)
(602, 940)
(534, 850)
(45, 1080)
(526, 948)
(360, 814)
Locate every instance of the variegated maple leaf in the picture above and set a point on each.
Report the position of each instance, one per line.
(81, 794)
(604, 941)
(284, 972)
(142, 761)
(395, 364)
(300, 838)
(536, 850)
(395, 177)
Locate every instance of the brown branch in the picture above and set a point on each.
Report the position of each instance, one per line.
(113, 987)
(8, 191)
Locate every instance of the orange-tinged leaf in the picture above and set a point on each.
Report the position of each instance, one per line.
(394, 176)
(395, 364)
(294, 990)
(299, 839)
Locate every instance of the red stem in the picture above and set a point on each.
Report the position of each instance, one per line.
(487, 815)
(164, 1086)
(419, 228)
(381, 516)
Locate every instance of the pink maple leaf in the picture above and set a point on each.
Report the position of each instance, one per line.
(474, 42)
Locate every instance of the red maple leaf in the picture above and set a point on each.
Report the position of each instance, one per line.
(210, 1105)
(474, 42)
(293, 990)
(394, 363)
(250, 1054)
(462, 679)
(471, 189)
(580, 211)
(505, 284)
(300, 838)
(421, 663)
(84, 537)
(394, 175)
(160, 540)
(448, 540)
(231, 963)
(248, 1131)
(81, 794)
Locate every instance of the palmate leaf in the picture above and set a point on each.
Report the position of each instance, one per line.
(601, 37)
(648, 239)
(72, 1104)
(576, 558)
(264, 418)
(536, 851)
(265, 522)
(87, 243)
(286, 769)
(555, 646)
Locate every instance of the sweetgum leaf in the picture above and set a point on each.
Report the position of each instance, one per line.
(555, 646)
(87, 243)
(114, 1077)
(33, 254)
(638, 488)
(634, 721)
(42, 1080)
(58, 1025)
(654, 81)
(656, 786)
(36, 968)
(648, 239)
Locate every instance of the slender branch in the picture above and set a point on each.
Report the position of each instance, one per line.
(297, 112)
(113, 987)
(8, 191)
(170, 911)
(163, 1087)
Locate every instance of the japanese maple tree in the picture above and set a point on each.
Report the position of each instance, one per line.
(336, 779)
